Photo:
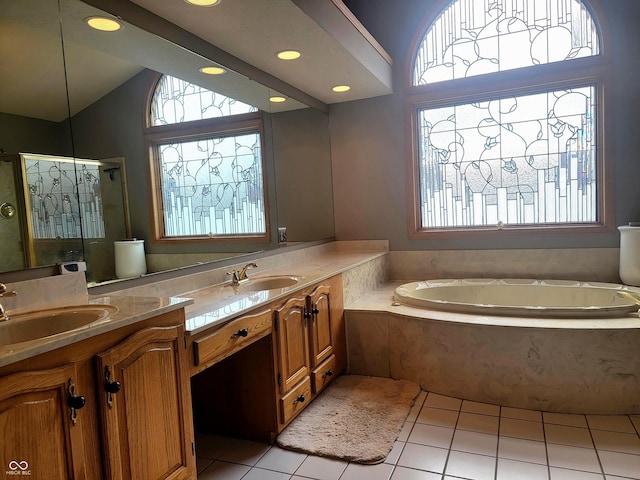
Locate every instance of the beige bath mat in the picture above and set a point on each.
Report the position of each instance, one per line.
(356, 418)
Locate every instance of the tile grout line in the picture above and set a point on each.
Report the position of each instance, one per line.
(546, 449)
(593, 442)
(455, 427)
(414, 421)
(495, 474)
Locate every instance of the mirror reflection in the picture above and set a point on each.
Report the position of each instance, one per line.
(110, 76)
(66, 199)
(34, 115)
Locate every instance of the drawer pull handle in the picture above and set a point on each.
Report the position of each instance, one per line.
(299, 398)
(326, 374)
(240, 333)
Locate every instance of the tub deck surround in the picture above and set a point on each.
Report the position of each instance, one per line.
(556, 365)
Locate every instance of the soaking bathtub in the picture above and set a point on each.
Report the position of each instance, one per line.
(530, 344)
(521, 297)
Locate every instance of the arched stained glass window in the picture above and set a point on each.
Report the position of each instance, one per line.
(177, 101)
(476, 37)
(519, 151)
(209, 175)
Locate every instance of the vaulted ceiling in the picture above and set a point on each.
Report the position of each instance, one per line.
(175, 37)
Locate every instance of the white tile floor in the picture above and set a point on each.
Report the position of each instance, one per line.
(446, 438)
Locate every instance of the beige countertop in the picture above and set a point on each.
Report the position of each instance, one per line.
(130, 310)
(205, 307)
(217, 304)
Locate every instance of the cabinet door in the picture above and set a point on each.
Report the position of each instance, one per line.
(321, 326)
(293, 343)
(41, 435)
(147, 427)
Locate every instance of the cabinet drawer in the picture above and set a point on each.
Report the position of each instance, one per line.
(294, 401)
(323, 374)
(234, 336)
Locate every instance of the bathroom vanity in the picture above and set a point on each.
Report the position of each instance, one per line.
(117, 403)
(254, 374)
(123, 398)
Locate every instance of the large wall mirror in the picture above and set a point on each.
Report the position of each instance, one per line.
(88, 102)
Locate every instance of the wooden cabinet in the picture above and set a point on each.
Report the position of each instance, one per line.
(309, 334)
(145, 410)
(270, 363)
(321, 326)
(42, 435)
(231, 338)
(292, 337)
(232, 378)
(324, 373)
(59, 422)
(304, 334)
(293, 402)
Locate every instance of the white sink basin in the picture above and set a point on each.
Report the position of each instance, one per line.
(23, 327)
(269, 283)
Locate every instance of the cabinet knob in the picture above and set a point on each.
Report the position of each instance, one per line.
(112, 387)
(241, 333)
(76, 402)
(300, 398)
(315, 311)
(326, 374)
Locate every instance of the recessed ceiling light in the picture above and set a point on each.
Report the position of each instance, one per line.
(204, 3)
(289, 55)
(277, 99)
(213, 70)
(103, 24)
(341, 88)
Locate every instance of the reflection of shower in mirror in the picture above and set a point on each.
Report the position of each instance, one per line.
(64, 197)
(68, 209)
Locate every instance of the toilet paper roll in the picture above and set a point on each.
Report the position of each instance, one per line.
(130, 259)
(630, 255)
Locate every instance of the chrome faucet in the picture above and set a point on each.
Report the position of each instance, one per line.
(237, 277)
(3, 293)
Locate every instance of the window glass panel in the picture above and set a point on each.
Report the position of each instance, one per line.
(177, 101)
(520, 160)
(476, 37)
(64, 198)
(213, 186)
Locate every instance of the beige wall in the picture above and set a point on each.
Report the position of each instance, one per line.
(370, 156)
(302, 158)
